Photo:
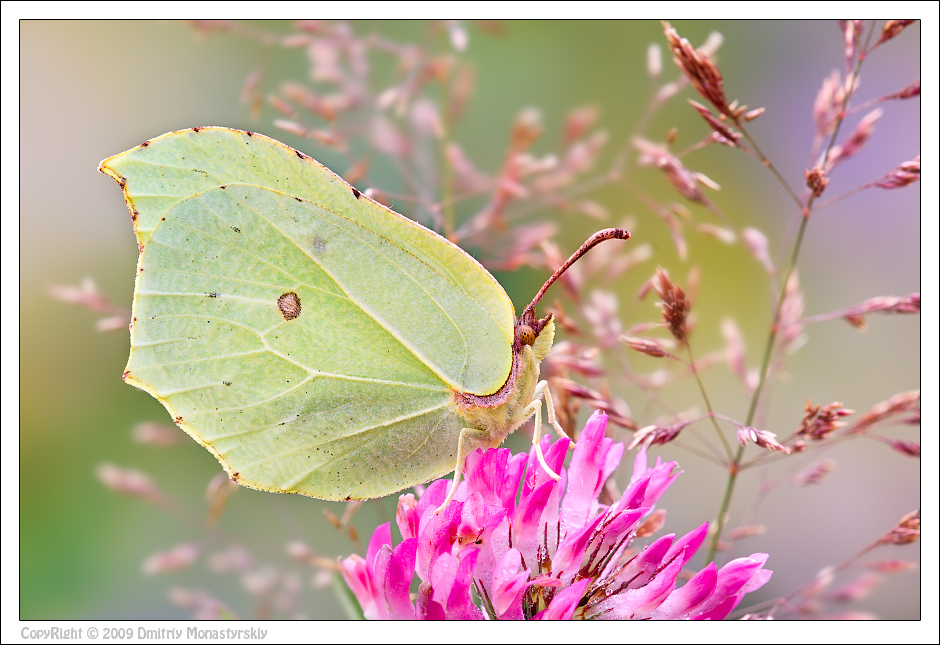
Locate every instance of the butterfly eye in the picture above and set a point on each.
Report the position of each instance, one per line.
(525, 334)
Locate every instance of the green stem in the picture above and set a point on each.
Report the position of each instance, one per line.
(708, 404)
(735, 466)
(767, 163)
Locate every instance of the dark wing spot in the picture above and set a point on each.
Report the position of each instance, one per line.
(289, 305)
(356, 193)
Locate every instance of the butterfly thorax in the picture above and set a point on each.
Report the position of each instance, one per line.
(504, 411)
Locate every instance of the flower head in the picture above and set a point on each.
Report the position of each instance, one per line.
(675, 305)
(516, 544)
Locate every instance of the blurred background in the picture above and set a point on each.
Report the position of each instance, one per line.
(91, 89)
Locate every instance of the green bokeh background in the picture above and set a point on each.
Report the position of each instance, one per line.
(91, 89)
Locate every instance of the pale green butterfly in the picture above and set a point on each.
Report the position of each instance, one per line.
(313, 340)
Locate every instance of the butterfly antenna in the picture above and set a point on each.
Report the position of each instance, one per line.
(594, 240)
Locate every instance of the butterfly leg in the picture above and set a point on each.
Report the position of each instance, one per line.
(469, 440)
(550, 407)
(535, 409)
(542, 391)
(537, 443)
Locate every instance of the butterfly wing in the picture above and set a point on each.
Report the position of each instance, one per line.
(310, 339)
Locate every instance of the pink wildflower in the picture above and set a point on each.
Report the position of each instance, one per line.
(516, 544)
